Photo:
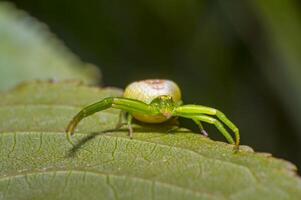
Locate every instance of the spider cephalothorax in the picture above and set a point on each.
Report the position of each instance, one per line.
(164, 105)
(156, 101)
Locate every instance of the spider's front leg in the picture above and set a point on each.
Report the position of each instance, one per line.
(199, 113)
(125, 104)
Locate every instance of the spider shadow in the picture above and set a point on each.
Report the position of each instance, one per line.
(77, 145)
(146, 128)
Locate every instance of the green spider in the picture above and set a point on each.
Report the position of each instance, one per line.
(156, 101)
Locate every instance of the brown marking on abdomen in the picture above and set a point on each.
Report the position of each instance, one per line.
(157, 84)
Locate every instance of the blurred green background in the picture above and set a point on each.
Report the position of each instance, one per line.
(242, 57)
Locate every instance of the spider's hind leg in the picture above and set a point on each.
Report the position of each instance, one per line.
(200, 127)
(121, 120)
(218, 125)
(129, 123)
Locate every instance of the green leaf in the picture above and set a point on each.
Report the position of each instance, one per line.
(37, 162)
(28, 50)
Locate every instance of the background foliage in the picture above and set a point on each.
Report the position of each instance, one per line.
(29, 51)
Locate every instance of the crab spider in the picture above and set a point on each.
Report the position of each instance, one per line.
(156, 101)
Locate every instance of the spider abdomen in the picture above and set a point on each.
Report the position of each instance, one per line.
(148, 90)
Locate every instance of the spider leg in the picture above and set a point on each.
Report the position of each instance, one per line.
(120, 122)
(85, 112)
(172, 129)
(121, 118)
(191, 111)
(200, 126)
(129, 122)
(221, 116)
(217, 124)
(125, 104)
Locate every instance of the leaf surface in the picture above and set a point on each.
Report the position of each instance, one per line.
(37, 162)
(28, 50)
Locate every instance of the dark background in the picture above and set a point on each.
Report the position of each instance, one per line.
(242, 57)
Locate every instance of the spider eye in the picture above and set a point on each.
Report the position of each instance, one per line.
(166, 98)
